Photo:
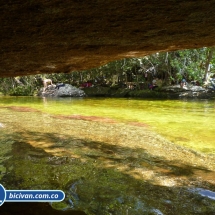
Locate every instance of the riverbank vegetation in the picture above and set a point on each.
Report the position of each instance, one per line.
(196, 66)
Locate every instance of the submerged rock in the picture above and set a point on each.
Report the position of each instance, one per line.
(205, 193)
(63, 90)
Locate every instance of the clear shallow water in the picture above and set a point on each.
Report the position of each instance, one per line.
(187, 123)
(100, 153)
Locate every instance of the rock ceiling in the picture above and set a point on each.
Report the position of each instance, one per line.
(54, 36)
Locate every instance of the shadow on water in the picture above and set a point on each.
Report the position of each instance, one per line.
(99, 178)
(30, 208)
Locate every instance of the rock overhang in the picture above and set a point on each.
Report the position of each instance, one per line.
(55, 36)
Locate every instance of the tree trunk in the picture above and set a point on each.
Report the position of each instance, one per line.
(207, 64)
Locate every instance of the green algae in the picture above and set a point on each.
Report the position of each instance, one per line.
(186, 123)
(103, 168)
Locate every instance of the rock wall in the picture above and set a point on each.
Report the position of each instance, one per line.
(54, 36)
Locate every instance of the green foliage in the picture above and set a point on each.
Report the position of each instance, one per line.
(171, 67)
(19, 86)
(188, 63)
(21, 91)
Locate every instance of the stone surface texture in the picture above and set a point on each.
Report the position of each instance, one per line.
(65, 91)
(61, 36)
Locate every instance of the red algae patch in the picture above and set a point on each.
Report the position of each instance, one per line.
(139, 124)
(23, 109)
(87, 118)
(99, 119)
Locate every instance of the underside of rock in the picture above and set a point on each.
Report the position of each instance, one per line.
(55, 36)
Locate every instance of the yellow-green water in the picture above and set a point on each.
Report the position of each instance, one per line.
(105, 154)
(188, 123)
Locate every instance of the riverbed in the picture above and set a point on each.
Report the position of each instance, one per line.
(111, 156)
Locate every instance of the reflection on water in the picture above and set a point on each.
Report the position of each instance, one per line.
(206, 193)
(105, 156)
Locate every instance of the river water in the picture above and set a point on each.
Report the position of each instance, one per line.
(99, 151)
